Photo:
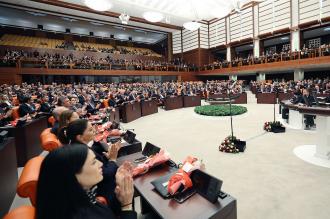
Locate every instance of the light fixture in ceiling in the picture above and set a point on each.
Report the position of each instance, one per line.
(284, 38)
(153, 16)
(96, 24)
(327, 29)
(98, 5)
(192, 25)
(38, 14)
(124, 18)
(68, 19)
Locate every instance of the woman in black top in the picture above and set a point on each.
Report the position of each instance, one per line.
(81, 131)
(66, 186)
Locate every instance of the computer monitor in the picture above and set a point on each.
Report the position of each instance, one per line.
(150, 149)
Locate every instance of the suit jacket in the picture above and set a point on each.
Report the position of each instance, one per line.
(91, 108)
(308, 100)
(25, 109)
(45, 107)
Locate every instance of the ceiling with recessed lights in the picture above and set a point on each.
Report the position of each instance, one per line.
(175, 12)
(28, 19)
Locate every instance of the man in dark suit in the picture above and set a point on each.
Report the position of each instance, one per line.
(308, 100)
(45, 107)
(26, 107)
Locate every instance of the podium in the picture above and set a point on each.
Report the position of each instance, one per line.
(322, 130)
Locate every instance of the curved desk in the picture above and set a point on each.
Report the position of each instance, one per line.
(319, 153)
(322, 129)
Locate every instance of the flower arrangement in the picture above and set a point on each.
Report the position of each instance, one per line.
(228, 145)
(273, 126)
(267, 126)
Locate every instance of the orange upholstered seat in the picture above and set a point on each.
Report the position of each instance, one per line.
(48, 140)
(15, 113)
(105, 103)
(22, 212)
(27, 183)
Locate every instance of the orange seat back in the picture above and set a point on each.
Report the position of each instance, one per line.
(22, 212)
(51, 120)
(15, 113)
(105, 103)
(27, 182)
(48, 140)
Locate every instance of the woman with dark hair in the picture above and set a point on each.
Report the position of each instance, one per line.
(66, 186)
(81, 131)
(66, 117)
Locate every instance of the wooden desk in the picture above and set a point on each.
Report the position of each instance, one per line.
(195, 207)
(285, 96)
(8, 175)
(27, 139)
(149, 107)
(115, 116)
(130, 112)
(174, 102)
(128, 148)
(191, 101)
(242, 99)
(266, 98)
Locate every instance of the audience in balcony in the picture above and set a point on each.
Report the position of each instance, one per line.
(318, 86)
(270, 56)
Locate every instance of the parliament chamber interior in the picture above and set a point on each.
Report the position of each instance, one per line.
(142, 109)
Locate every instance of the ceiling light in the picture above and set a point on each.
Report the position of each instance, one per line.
(98, 5)
(124, 18)
(96, 24)
(153, 16)
(284, 38)
(68, 19)
(192, 25)
(37, 14)
(167, 20)
(327, 29)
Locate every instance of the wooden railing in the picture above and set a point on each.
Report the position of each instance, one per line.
(297, 55)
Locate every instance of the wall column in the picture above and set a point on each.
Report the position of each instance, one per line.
(233, 77)
(229, 54)
(256, 48)
(261, 77)
(299, 74)
(295, 40)
(169, 47)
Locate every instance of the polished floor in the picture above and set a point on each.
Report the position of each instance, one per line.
(268, 180)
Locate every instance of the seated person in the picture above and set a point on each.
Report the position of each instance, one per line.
(81, 131)
(66, 186)
(56, 114)
(91, 107)
(308, 100)
(26, 107)
(66, 117)
(45, 106)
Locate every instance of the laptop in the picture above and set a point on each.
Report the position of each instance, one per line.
(204, 184)
(129, 136)
(148, 150)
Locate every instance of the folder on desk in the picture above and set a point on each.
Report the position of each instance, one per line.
(161, 183)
